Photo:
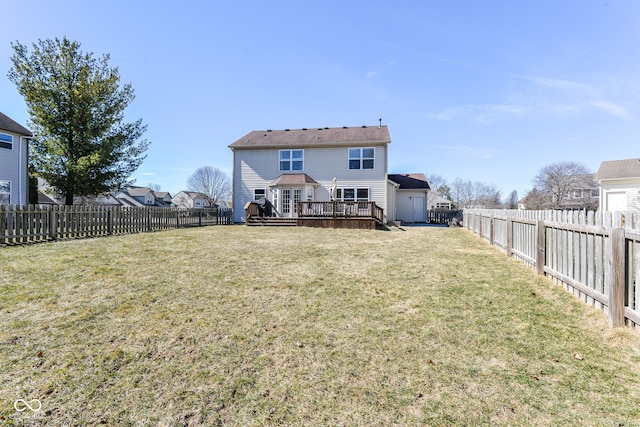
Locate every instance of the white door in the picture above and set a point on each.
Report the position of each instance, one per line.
(290, 198)
(418, 209)
(617, 201)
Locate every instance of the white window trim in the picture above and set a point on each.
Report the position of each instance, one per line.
(6, 142)
(355, 194)
(255, 198)
(290, 160)
(361, 158)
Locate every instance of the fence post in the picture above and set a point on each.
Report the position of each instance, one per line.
(53, 223)
(541, 247)
(110, 221)
(617, 277)
(480, 225)
(509, 236)
(492, 229)
(3, 225)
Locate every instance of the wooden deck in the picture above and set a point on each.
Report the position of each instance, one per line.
(354, 215)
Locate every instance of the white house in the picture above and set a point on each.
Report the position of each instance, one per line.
(14, 164)
(619, 182)
(291, 165)
(191, 199)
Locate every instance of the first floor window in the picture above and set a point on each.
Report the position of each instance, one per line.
(353, 194)
(5, 192)
(6, 141)
(259, 193)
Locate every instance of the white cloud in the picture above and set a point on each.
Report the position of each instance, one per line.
(480, 114)
(612, 109)
(546, 97)
(465, 151)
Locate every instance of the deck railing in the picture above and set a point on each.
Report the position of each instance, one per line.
(339, 209)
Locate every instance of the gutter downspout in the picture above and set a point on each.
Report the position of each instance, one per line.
(20, 163)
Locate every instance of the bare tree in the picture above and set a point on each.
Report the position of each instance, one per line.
(557, 181)
(534, 200)
(512, 200)
(466, 193)
(212, 182)
(462, 192)
(436, 182)
(153, 187)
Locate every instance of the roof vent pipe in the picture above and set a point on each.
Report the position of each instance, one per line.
(379, 123)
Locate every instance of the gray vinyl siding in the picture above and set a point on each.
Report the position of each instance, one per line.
(257, 168)
(12, 162)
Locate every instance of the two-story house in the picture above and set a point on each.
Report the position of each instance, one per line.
(143, 196)
(191, 199)
(14, 163)
(292, 165)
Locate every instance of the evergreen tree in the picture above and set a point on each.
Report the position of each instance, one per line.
(82, 146)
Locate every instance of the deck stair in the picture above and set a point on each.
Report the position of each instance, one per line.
(271, 221)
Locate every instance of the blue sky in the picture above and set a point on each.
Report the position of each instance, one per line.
(487, 91)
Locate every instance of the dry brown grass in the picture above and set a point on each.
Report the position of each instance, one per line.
(263, 326)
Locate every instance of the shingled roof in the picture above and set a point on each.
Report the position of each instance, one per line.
(6, 123)
(294, 179)
(619, 169)
(410, 181)
(307, 137)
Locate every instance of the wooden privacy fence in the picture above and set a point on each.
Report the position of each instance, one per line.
(594, 255)
(29, 223)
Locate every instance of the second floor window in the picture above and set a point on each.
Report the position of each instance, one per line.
(361, 158)
(6, 141)
(291, 160)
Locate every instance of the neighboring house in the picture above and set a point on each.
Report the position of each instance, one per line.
(288, 166)
(14, 163)
(412, 193)
(436, 201)
(619, 182)
(191, 199)
(143, 196)
(106, 199)
(584, 193)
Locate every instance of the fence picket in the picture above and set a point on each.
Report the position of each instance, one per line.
(578, 250)
(26, 224)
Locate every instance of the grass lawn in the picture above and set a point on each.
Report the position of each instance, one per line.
(237, 326)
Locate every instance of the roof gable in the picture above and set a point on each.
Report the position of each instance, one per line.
(138, 191)
(619, 169)
(10, 125)
(294, 179)
(410, 181)
(304, 137)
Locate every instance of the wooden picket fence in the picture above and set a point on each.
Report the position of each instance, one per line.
(594, 255)
(21, 224)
